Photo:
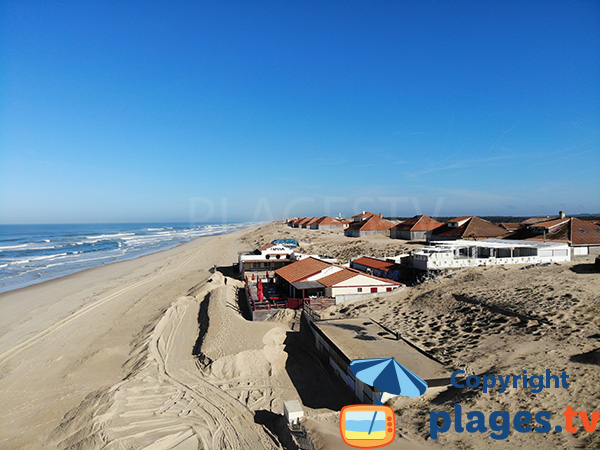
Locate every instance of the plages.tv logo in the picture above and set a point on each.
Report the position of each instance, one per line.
(373, 426)
(499, 423)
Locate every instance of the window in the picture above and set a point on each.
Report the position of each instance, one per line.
(373, 290)
(388, 289)
(358, 289)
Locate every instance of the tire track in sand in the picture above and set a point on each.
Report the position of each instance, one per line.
(169, 402)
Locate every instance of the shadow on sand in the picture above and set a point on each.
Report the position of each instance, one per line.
(585, 268)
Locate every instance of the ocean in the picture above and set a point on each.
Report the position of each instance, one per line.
(31, 254)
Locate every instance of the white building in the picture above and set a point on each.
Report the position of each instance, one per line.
(271, 257)
(462, 253)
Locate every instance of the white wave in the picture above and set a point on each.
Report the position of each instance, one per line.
(109, 236)
(7, 247)
(155, 229)
(38, 258)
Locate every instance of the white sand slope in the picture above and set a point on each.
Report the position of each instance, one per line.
(165, 401)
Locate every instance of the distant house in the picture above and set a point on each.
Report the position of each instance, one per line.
(378, 267)
(372, 225)
(416, 228)
(467, 227)
(309, 222)
(296, 222)
(300, 223)
(364, 215)
(581, 235)
(327, 223)
(314, 277)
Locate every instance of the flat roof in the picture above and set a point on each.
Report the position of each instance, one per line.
(363, 339)
(495, 243)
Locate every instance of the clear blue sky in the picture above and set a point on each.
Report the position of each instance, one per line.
(156, 111)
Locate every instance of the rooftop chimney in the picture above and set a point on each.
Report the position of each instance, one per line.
(561, 214)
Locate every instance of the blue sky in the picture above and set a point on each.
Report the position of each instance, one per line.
(159, 111)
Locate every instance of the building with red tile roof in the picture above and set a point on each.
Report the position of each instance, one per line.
(581, 235)
(311, 276)
(309, 222)
(467, 227)
(364, 215)
(326, 223)
(296, 222)
(377, 267)
(301, 269)
(372, 225)
(416, 228)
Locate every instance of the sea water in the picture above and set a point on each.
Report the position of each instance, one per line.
(365, 425)
(31, 254)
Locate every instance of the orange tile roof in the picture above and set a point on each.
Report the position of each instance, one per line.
(373, 223)
(550, 223)
(326, 220)
(510, 226)
(475, 227)
(337, 277)
(459, 219)
(418, 223)
(572, 230)
(533, 220)
(311, 221)
(374, 263)
(301, 269)
(364, 215)
(303, 221)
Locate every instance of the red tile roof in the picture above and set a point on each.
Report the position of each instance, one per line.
(509, 226)
(337, 277)
(303, 221)
(550, 223)
(418, 223)
(374, 263)
(301, 269)
(533, 220)
(475, 227)
(311, 221)
(459, 219)
(373, 223)
(364, 215)
(326, 220)
(572, 230)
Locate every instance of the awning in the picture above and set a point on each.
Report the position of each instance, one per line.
(301, 285)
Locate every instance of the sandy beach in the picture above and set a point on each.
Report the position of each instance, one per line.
(155, 352)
